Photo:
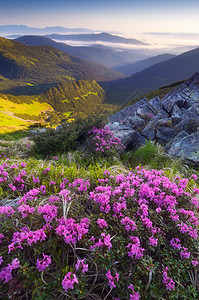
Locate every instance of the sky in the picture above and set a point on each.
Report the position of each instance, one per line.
(124, 16)
(164, 24)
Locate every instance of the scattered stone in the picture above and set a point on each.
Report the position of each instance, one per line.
(174, 121)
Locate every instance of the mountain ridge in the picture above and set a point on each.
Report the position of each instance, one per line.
(104, 36)
(154, 77)
(21, 65)
(23, 29)
(97, 54)
(131, 69)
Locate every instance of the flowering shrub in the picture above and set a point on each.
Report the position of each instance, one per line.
(103, 141)
(129, 236)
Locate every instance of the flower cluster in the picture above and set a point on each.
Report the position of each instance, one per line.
(134, 295)
(81, 265)
(68, 282)
(44, 263)
(104, 241)
(135, 251)
(25, 210)
(127, 224)
(71, 230)
(104, 140)
(49, 212)
(112, 279)
(6, 272)
(170, 284)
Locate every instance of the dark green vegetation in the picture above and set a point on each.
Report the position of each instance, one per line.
(98, 54)
(69, 137)
(41, 67)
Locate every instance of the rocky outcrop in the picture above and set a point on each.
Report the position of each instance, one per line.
(172, 121)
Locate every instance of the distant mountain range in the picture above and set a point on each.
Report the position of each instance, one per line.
(130, 69)
(99, 54)
(94, 37)
(47, 71)
(35, 67)
(22, 30)
(175, 69)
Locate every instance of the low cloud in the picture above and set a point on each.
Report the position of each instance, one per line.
(118, 46)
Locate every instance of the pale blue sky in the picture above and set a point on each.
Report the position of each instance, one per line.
(128, 16)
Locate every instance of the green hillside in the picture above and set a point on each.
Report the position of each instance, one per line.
(67, 100)
(44, 85)
(78, 96)
(32, 70)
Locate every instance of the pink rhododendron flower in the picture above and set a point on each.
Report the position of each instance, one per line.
(105, 241)
(69, 281)
(158, 209)
(41, 265)
(170, 284)
(134, 295)
(135, 251)
(53, 198)
(72, 231)
(194, 262)
(6, 273)
(194, 177)
(129, 224)
(7, 210)
(81, 265)
(184, 253)
(153, 241)
(64, 194)
(111, 279)
(175, 243)
(25, 209)
(102, 223)
(52, 183)
(46, 170)
(49, 212)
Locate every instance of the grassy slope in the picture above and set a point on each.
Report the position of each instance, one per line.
(72, 99)
(19, 115)
(9, 123)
